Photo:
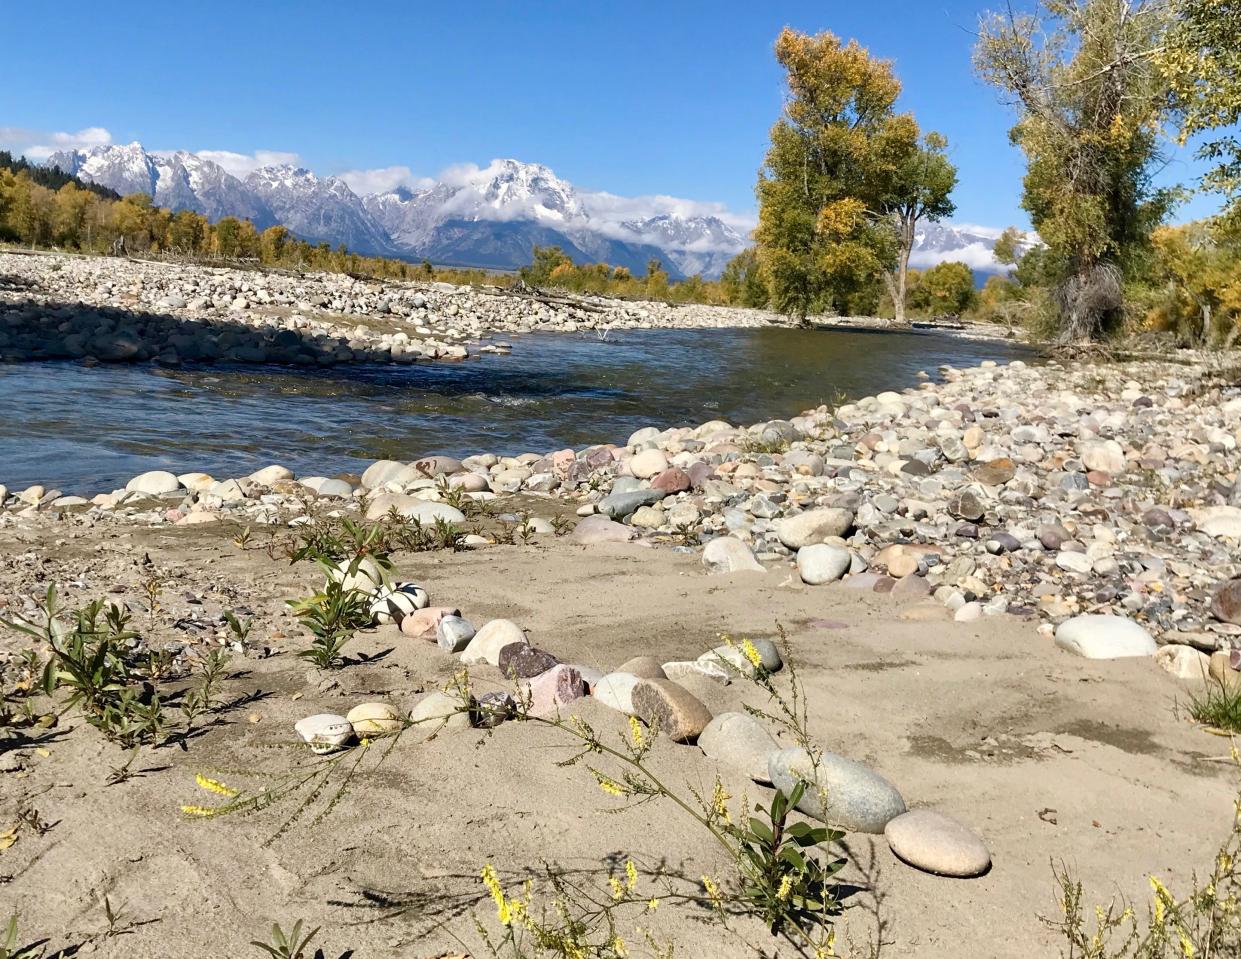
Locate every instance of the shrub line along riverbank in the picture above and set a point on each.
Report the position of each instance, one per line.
(58, 306)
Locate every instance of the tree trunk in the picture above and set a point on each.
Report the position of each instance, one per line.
(899, 281)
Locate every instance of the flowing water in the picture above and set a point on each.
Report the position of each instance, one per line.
(88, 430)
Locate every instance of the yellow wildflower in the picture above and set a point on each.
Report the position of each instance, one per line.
(786, 887)
(719, 802)
(215, 786)
(1161, 898)
(1187, 947)
(652, 904)
(712, 890)
(610, 786)
(618, 946)
(504, 911)
(750, 653)
(635, 729)
(618, 889)
(631, 875)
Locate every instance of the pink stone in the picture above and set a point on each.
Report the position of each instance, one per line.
(557, 687)
(672, 480)
(422, 623)
(563, 460)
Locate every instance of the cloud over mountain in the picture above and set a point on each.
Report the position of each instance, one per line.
(489, 215)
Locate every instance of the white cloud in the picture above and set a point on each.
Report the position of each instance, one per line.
(241, 164)
(40, 144)
(977, 256)
(384, 180)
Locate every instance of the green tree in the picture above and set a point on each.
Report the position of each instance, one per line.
(187, 232)
(227, 237)
(656, 281)
(944, 289)
(743, 282)
(919, 186)
(1091, 103)
(823, 183)
(71, 215)
(1008, 246)
(544, 260)
(1201, 59)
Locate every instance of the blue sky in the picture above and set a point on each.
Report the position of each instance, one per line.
(636, 98)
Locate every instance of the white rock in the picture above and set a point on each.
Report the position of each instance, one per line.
(727, 554)
(648, 463)
(393, 604)
(365, 577)
(1096, 636)
(154, 483)
(324, 732)
(616, 690)
(822, 563)
(489, 640)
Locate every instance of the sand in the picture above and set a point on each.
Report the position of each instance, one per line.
(1050, 758)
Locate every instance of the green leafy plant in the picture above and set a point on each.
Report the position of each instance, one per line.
(87, 659)
(332, 615)
(1218, 706)
(11, 947)
(287, 945)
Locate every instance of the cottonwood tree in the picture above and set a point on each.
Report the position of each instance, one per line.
(845, 181)
(920, 181)
(1201, 58)
(1091, 103)
(819, 190)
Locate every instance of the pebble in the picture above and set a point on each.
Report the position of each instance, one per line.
(439, 709)
(453, 634)
(740, 741)
(488, 642)
(1104, 637)
(726, 554)
(937, 844)
(822, 563)
(672, 708)
(616, 690)
(813, 526)
(374, 719)
(858, 798)
(324, 732)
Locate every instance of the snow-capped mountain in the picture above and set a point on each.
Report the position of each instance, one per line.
(319, 209)
(490, 216)
(964, 243)
(178, 181)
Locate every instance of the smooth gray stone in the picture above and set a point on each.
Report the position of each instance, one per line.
(620, 505)
(740, 741)
(858, 798)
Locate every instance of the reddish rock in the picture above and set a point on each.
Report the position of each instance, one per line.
(1099, 478)
(995, 472)
(672, 480)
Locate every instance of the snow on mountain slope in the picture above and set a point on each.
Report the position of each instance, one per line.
(321, 209)
(490, 216)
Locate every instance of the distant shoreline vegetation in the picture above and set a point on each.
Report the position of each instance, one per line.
(43, 208)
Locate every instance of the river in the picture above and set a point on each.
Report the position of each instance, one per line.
(88, 430)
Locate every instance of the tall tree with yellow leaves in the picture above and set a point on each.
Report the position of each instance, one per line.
(821, 230)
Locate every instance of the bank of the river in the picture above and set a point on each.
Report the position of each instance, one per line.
(110, 310)
(997, 584)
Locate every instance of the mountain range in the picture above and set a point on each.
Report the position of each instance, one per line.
(489, 216)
